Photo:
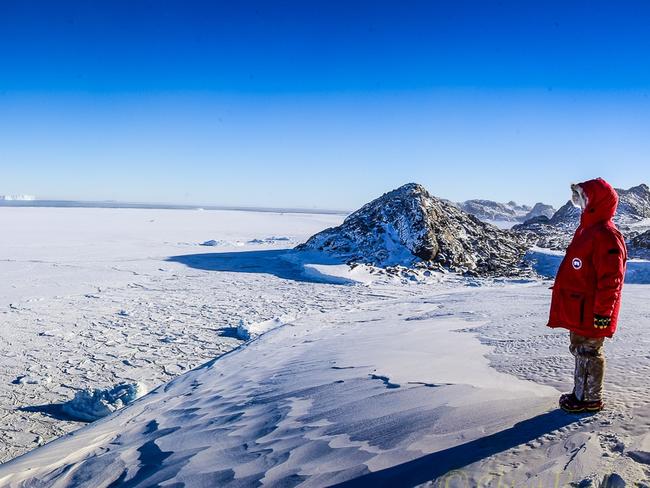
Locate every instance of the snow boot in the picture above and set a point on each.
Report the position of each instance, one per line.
(569, 403)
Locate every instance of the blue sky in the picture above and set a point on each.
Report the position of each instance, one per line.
(321, 104)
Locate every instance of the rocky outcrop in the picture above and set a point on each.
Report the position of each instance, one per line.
(408, 226)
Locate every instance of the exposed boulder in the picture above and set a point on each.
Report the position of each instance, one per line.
(408, 226)
(639, 246)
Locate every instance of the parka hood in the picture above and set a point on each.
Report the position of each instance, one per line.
(602, 201)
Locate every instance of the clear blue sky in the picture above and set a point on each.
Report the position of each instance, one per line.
(321, 103)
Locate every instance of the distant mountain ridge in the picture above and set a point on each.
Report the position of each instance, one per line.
(632, 217)
(489, 210)
(17, 198)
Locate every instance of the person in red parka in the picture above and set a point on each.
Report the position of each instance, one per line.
(587, 291)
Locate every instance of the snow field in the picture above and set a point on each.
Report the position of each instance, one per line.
(350, 375)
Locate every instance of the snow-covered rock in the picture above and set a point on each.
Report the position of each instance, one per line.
(213, 243)
(567, 216)
(93, 404)
(634, 204)
(408, 227)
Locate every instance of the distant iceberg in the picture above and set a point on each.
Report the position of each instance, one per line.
(10, 198)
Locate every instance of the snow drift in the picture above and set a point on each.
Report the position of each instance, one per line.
(328, 399)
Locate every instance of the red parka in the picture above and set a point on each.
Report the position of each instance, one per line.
(590, 278)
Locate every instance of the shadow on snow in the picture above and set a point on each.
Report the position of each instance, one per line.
(282, 263)
(54, 410)
(444, 462)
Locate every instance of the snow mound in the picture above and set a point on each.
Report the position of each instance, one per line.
(214, 243)
(92, 404)
(255, 241)
(408, 226)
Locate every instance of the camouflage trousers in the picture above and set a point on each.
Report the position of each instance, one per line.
(590, 367)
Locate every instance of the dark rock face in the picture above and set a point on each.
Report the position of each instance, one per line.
(408, 226)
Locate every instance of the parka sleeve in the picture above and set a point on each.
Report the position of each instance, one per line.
(609, 257)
